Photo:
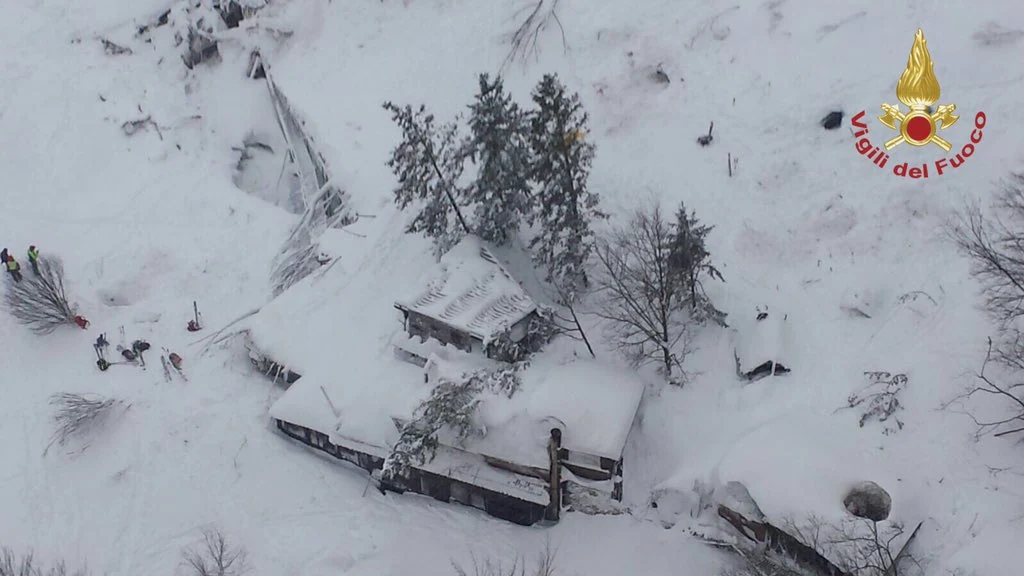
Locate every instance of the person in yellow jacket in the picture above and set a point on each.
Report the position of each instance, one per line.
(33, 258)
(13, 268)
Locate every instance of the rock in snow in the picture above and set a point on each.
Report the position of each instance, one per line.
(868, 500)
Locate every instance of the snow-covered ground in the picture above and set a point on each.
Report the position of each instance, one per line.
(805, 226)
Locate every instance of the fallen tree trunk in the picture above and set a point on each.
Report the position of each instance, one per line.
(776, 540)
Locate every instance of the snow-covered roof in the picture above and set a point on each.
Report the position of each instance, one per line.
(760, 341)
(594, 405)
(334, 329)
(471, 291)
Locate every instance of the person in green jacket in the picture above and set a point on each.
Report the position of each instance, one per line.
(33, 258)
(13, 268)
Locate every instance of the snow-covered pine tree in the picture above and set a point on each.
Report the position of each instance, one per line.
(563, 205)
(690, 259)
(499, 147)
(428, 163)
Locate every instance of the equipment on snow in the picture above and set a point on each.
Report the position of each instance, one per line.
(128, 354)
(100, 346)
(82, 322)
(175, 361)
(194, 325)
(102, 365)
(138, 347)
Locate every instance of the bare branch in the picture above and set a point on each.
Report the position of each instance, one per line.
(524, 40)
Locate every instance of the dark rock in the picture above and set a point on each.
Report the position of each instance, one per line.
(833, 120)
(868, 500)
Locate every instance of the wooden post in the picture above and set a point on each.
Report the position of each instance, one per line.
(730, 164)
(555, 476)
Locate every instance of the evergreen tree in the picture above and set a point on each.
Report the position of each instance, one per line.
(563, 205)
(498, 145)
(428, 163)
(689, 258)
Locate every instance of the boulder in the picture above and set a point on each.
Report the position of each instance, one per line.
(833, 120)
(868, 500)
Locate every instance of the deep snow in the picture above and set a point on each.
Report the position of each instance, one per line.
(805, 225)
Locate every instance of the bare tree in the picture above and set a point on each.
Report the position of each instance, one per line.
(79, 414)
(544, 566)
(995, 247)
(11, 565)
(643, 300)
(523, 41)
(215, 556)
(39, 300)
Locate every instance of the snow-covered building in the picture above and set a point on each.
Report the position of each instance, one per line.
(467, 302)
(565, 427)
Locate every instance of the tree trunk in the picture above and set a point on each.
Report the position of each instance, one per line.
(448, 193)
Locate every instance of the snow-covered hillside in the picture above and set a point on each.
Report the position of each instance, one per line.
(148, 223)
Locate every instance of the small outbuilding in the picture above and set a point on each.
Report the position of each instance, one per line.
(761, 346)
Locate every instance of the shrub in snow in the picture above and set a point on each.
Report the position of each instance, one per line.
(499, 148)
(77, 415)
(564, 207)
(12, 565)
(643, 299)
(39, 300)
(428, 162)
(215, 557)
(880, 400)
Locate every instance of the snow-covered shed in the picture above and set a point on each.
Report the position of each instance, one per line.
(467, 301)
(761, 346)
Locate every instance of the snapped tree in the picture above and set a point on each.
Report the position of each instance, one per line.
(451, 408)
(429, 161)
(39, 301)
(499, 147)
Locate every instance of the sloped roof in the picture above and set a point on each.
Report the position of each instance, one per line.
(471, 291)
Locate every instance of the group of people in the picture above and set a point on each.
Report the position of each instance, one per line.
(13, 267)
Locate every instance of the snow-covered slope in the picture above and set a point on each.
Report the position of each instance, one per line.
(146, 224)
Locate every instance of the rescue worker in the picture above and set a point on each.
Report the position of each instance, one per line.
(13, 268)
(3, 256)
(33, 259)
